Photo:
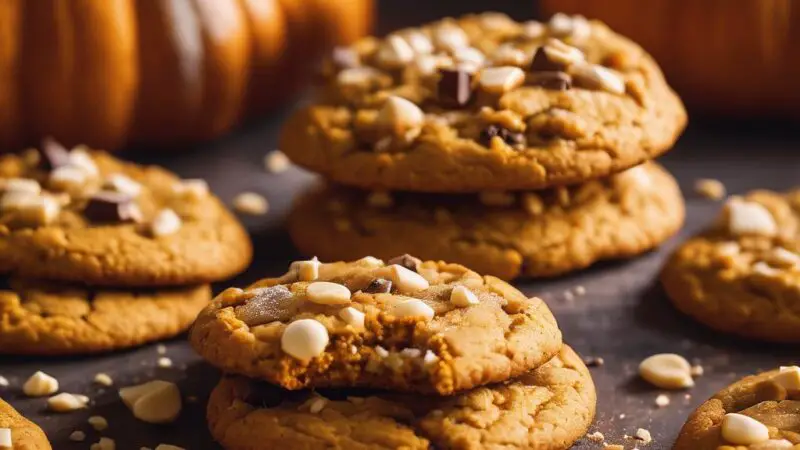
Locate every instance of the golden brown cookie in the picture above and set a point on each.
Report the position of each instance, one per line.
(39, 318)
(25, 435)
(406, 325)
(483, 103)
(547, 409)
(770, 404)
(87, 217)
(541, 233)
(743, 275)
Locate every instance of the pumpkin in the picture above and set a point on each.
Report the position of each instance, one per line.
(723, 57)
(109, 73)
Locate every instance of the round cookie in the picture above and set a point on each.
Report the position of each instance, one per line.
(408, 326)
(101, 221)
(25, 435)
(762, 397)
(743, 275)
(470, 105)
(39, 318)
(543, 233)
(548, 408)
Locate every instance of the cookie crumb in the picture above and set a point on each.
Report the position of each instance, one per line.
(99, 423)
(251, 203)
(596, 437)
(643, 435)
(164, 362)
(569, 296)
(161, 349)
(580, 290)
(697, 371)
(276, 162)
(594, 361)
(66, 402)
(662, 401)
(622, 416)
(103, 379)
(39, 385)
(3, 381)
(77, 436)
(710, 188)
(104, 444)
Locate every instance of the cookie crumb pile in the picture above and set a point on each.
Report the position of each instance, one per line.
(517, 149)
(394, 354)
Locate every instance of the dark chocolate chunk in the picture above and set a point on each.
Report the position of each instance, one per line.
(345, 58)
(543, 63)
(454, 88)
(557, 81)
(112, 207)
(511, 138)
(407, 261)
(54, 155)
(379, 286)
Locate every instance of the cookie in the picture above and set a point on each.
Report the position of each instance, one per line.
(541, 233)
(548, 408)
(742, 276)
(85, 216)
(406, 325)
(24, 434)
(756, 412)
(40, 318)
(484, 103)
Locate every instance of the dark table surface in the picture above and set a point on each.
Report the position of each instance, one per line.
(623, 318)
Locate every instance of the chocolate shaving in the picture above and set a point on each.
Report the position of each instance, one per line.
(454, 88)
(407, 261)
(509, 137)
(106, 207)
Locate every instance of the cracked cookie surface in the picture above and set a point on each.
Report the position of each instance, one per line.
(759, 397)
(101, 221)
(407, 325)
(25, 435)
(543, 233)
(742, 276)
(386, 117)
(548, 408)
(40, 318)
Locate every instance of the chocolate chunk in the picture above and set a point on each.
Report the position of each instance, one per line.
(511, 138)
(267, 305)
(454, 88)
(54, 155)
(345, 58)
(407, 261)
(112, 207)
(543, 63)
(379, 286)
(557, 81)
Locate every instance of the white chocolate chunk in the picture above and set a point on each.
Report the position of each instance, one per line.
(533, 29)
(370, 261)
(75, 436)
(772, 444)
(81, 158)
(357, 76)
(563, 53)
(400, 116)
(193, 188)
(276, 162)
(99, 423)
(784, 257)
(743, 430)
(746, 217)
(420, 43)
(508, 55)
(20, 185)
(413, 308)
(306, 270)
(764, 269)
(462, 297)
(594, 76)
(154, 402)
(430, 358)
(66, 402)
(429, 64)
(39, 385)
(353, 317)
(166, 222)
(5, 439)
(788, 377)
(412, 353)
(405, 280)
(251, 203)
(327, 293)
(104, 444)
(67, 179)
(560, 24)
(123, 184)
(470, 55)
(381, 352)
(501, 79)
(667, 371)
(304, 339)
(449, 38)
(395, 52)
(317, 405)
(103, 379)
(164, 362)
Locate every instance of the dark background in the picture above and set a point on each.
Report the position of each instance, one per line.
(623, 318)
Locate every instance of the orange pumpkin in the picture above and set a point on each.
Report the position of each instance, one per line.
(112, 72)
(724, 57)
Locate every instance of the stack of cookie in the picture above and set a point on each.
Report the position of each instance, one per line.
(100, 254)
(404, 354)
(513, 148)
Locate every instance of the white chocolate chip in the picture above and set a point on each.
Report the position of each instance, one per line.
(75, 436)
(743, 430)
(20, 185)
(745, 217)
(563, 53)
(496, 198)
(3, 381)
(728, 248)
(404, 280)
(39, 385)
(166, 222)
(420, 43)
(194, 189)
(306, 270)
(67, 179)
(400, 116)
(501, 79)
(353, 317)
(276, 162)
(429, 64)
(103, 379)
(357, 76)
(643, 435)
(395, 52)
(508, 55)
(380, 199)
(123, 184)
(572, 27)
(412, 353)
(784, 257)
(251, 203)
(662, 401)
(317, 405)
(533, 29)
(81, 158)
(370, 261)
(667, 371)
(164, 362)
(413, 308)
(469, 55)
(593, 76)
(381, 352)
(772, 444)
(30, 209)
(154, 402)
(327, 293)
(449, 38)
(462, 297)
(161, 349)
(764, 269)
(430, 358)
(560, 24)
(99, 423)
(304, 339)
(65, 402)
(697, 371)
(5, 439)
(788, 377)
(104, 444)
(710, 188)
